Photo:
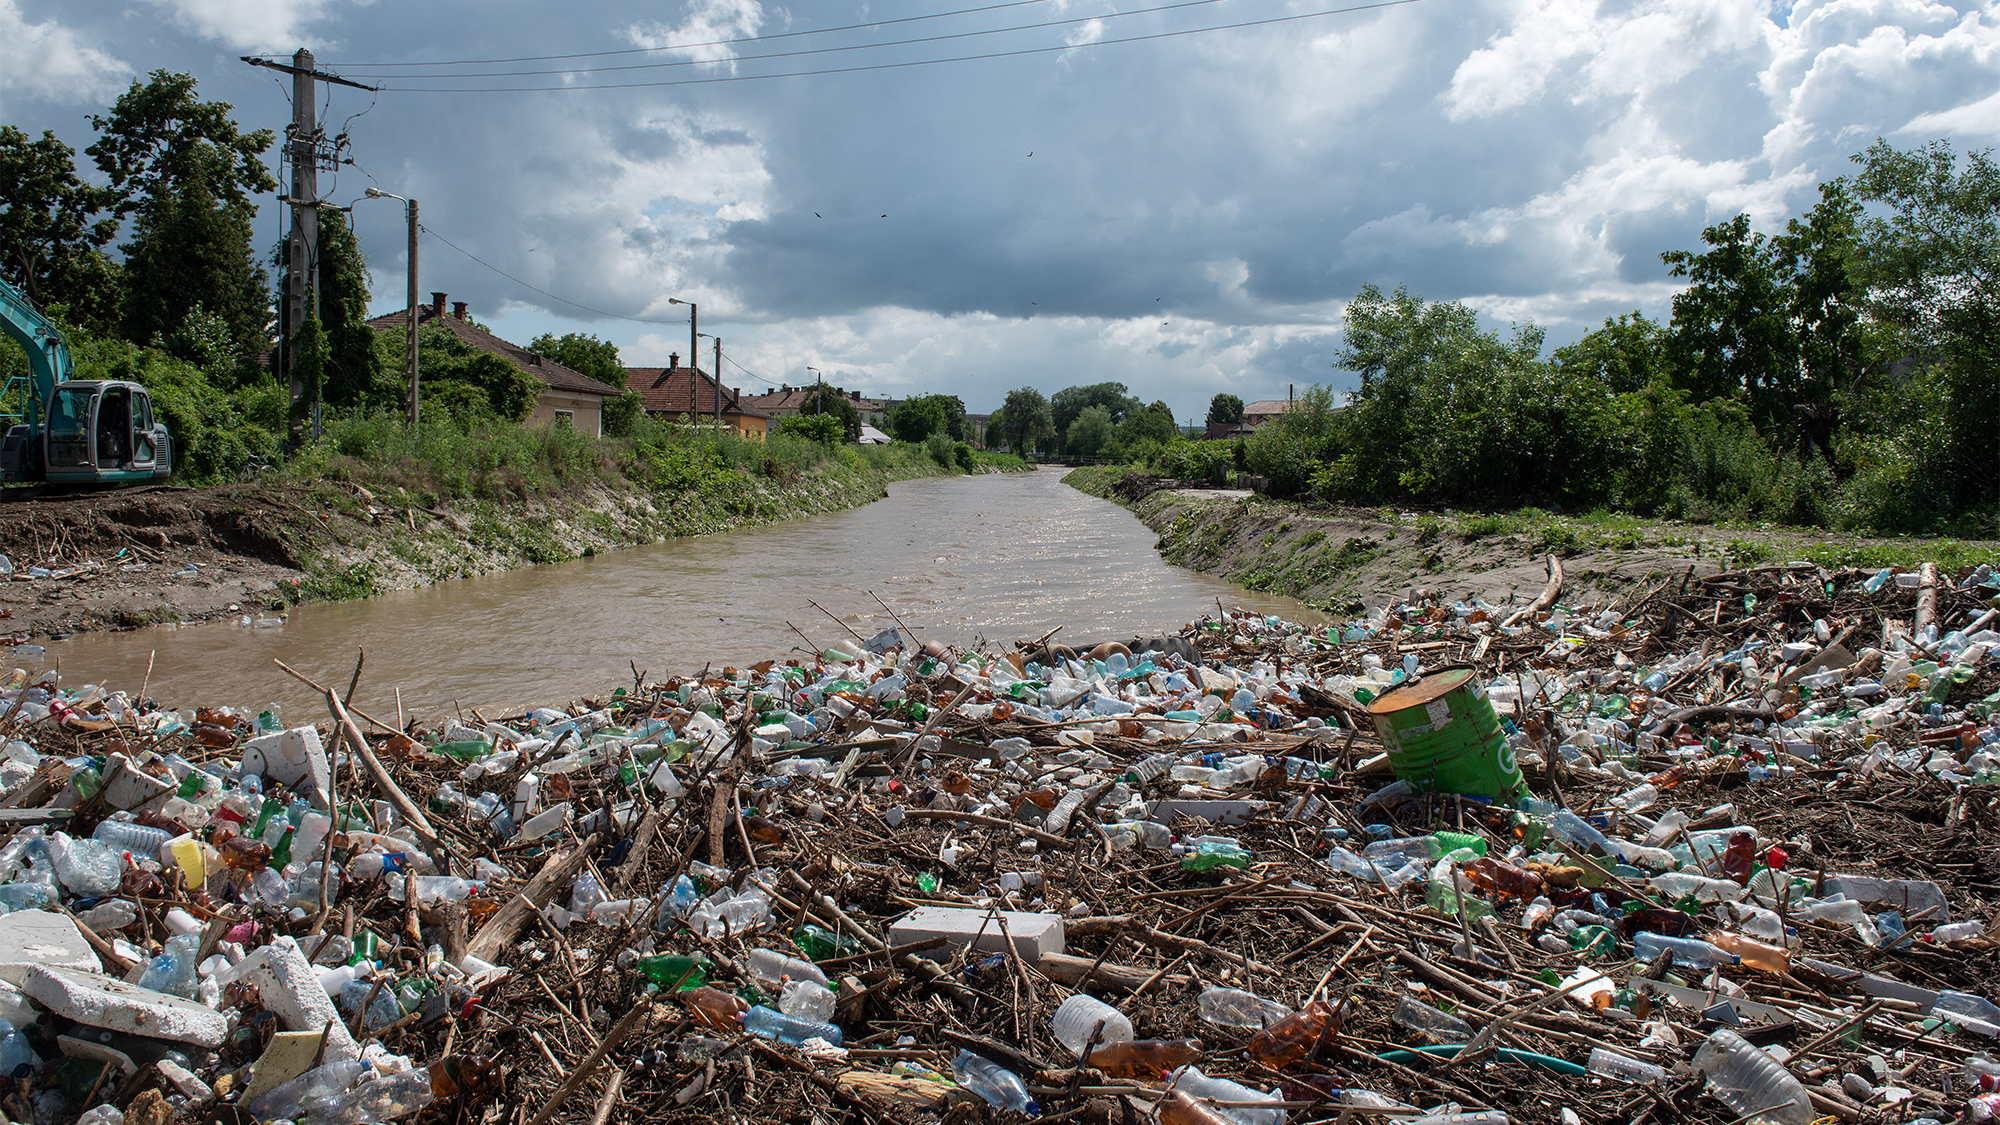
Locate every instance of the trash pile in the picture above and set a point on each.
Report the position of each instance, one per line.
(1724, 853)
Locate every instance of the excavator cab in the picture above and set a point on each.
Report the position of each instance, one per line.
(104, 430)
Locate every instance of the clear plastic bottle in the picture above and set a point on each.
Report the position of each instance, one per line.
(1973, 1013)
(173, 971)
(807, 1000)
(1192, 1081)
(1436, 1026)
(772, 967)
(1751, 1081)
(1691, 952)
(1611, 1064)
(15, 1052)
(286, 1101)
(126, 836)
(995, 1084)
(1232, 1007)
(771, 1023)
(1079, 1015)
(384, 1099)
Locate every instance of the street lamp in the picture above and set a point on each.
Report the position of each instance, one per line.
(410, 346)
(693, 313)
(718, 379)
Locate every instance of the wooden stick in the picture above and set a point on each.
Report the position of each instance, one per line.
(411, 814)
(318, 687)
(619, 1031)
(837, 621)
(557, 872)
(909, 635)
(1549, 593)
(354, 681)
(608, 1101)
(1053, 841)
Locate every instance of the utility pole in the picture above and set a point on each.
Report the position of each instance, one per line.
(410, 347)
(718, 382)
(303, 145)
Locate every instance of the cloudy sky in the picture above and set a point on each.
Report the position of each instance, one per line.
(1179, 196)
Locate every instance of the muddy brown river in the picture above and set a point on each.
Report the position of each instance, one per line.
(962, 560)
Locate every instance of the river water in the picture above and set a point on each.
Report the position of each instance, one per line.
(960, 559)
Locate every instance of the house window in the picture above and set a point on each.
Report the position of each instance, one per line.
(566, 418)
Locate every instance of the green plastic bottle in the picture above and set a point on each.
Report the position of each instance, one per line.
(1452, 841)
(1210, 854)
(820, 944)
(681, 973)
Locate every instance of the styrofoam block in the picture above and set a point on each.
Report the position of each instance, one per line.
(290, 756)
(1214, 812)
(126, 786)
(1033, 934)
(100, 1001)
(289, 987)
(41, 937)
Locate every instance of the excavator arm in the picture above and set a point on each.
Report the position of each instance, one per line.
(49, 361)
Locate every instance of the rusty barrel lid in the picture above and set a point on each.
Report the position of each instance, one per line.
(1405, 696)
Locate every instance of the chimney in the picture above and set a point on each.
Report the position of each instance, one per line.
(673, 360)
(437, 306)
(854, 395)
(458, 309)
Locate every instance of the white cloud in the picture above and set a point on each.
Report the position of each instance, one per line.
(49, 61)
(250, 25)
(705, 34)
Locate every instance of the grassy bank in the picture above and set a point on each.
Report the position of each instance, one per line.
(1336, 558)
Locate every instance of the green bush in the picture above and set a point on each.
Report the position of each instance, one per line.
(822, 428)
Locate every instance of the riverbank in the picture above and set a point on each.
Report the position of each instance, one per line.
(1342, 559)
(157, 555)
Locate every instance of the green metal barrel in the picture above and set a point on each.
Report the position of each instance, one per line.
(1442, 736)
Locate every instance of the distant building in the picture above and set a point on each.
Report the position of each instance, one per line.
(784, 402)
(673, 390)
(1256, 414)
(568, 397)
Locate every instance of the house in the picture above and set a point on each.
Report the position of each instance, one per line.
(784, 402)
(1256, 414)
(673, 390)
(568, 397)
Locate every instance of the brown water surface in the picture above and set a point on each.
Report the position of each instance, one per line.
(960, 559)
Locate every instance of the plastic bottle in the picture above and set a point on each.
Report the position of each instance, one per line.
(1691, 952)
(772, 967)
(807, 1000)
(995, 1084)
(1750, 1081)
(1958, 931)
(1177, 1108)
(287, 1100)
(128, 837)
(1196, 1084)
(715, 1008)
(771, 1023)
(1973, 1013)
(1145, 1058)
(1436, 1026)
(384, 1099)
(682, 974)
(1756, 954)
(1079, 1016)
(15, 1052)
(1232, 1007)
(1573, 829)
(1610, 1064)
(1293, 1038)
(1495, 877)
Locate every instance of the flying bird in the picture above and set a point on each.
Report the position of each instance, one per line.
(815, 214)
(1031, 154)
(885, 216)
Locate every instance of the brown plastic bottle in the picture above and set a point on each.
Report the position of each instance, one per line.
(1755, 954)
(1493, 876)
(1291, 1039)
(714, 1007)
(1177, 1108)
(1043, 799)
(1145, 1058)
(245, 853)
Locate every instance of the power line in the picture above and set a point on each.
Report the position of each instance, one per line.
(713, 43)
(904, 65)
(543, 292)
(806, 51)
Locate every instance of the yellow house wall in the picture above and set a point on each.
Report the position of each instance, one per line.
(588, 411)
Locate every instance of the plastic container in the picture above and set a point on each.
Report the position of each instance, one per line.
(1193, 1082)
(135, 838)
(1610, 1064)
(1691, 952)
(1288, 1041)
(1145, 1058)
(15, 1052)
(1428, 1022)
(1441, 734)
(771, 1023)
(1079, 1016)
(995, 1084)
(287, 1100)
(807, 1000)
(1232, 1007)
(772, 967)
(1750, 1081)
(1973, 1013)
(384, 1099)
(1756, 954)
(1177, 1108)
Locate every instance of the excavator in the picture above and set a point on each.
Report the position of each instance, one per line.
(72, 431)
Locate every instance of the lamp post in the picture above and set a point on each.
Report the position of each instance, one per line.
(693, 313)
(410, 346)
(718, 379)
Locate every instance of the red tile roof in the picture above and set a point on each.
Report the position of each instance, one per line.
(552, 374)
(686, 390)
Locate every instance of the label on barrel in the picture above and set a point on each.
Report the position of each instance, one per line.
(1439, 712)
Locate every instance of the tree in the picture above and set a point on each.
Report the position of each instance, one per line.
(1071, 401)
(1153, 423)
(1027, 419)
(915, 419)
(583, 353)
(1089, 433)
(1932, 270)
(187, 174)
(1732, 326)
(356, 375)
(53, 231)
(1225, 408)
(1628, 353)
(822, 428)
(621, 413)
(828, 400)
(462, 379)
